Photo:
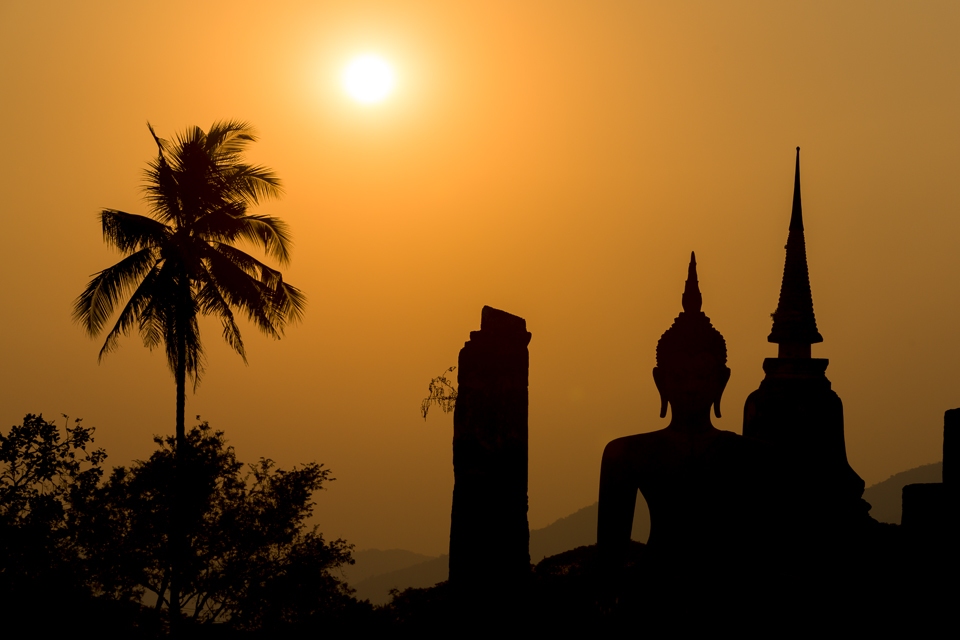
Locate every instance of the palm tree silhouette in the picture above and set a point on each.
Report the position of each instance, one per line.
(180, 263)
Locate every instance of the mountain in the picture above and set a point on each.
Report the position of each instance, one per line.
(416, 570)
(580, 529)
(380, 571)
(424, 574)
(372, 562)
(885, 497)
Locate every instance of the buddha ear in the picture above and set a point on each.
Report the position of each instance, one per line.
(724, 379)
(658, 380)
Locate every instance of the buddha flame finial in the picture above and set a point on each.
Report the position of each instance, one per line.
(692, 301)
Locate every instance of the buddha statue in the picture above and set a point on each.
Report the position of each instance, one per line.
(699, 482)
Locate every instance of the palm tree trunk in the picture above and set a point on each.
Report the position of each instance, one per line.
(181, 401)
(177, 532)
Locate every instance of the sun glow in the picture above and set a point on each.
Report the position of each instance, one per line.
(368, 79)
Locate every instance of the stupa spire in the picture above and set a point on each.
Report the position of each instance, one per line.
(796, 214)
(692, 301)
(794, 324)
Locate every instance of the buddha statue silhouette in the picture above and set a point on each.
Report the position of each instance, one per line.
(699, 482)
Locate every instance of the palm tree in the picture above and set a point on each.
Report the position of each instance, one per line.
(180, 263)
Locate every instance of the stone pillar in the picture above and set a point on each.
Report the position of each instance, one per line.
(930, 509)
(489, 532)
(930, 529)
(951, 441)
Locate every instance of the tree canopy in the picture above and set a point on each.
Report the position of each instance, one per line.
(181, 262)
(254, 562)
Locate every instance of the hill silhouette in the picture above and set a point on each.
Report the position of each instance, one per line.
(374, 562)
(579, 529)
(380, 571)
(377, 572)
(885, 497)
(376, 588)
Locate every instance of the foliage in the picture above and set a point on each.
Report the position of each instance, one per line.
(101, 545)
(42, 470)
(181, 262)
(253, 561)
(440, 392)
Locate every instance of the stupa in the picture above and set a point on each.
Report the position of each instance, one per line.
(795, 407)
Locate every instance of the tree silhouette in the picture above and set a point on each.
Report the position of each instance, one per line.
(440, 392)
(98, 545)
(255, 562)
(42, 471)
(181, 263)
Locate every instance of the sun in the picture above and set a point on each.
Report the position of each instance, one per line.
(368, 79)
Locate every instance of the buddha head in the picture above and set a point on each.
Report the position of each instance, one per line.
(691, 371)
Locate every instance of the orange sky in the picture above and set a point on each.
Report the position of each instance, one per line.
(557, 160)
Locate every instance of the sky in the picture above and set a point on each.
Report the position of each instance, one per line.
(558, 160)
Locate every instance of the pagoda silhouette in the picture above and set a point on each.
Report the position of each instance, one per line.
(795, 407)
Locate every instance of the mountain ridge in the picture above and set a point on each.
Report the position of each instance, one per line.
(579, 529)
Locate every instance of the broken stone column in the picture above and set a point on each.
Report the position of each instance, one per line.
(951, 441)
(929, 509)
(489, 532)
(930, 522)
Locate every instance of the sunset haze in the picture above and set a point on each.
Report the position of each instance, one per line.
(556, 160)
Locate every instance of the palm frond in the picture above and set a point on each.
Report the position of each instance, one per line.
(191, 137)
(160, 183)
(252, 183)
(159, 312)
(161, 193)
(229, 138)
(247, 295)
(231, 333)
(195, 356)
(95, 305)
(269, 233)
(211, 302)
(226, 142)
(220, 223)
(290, 302)
(153, 324)
(162, 145)
(131, 232)
(250, 265)
(245, 292)
(132, 312)
(176, 318)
